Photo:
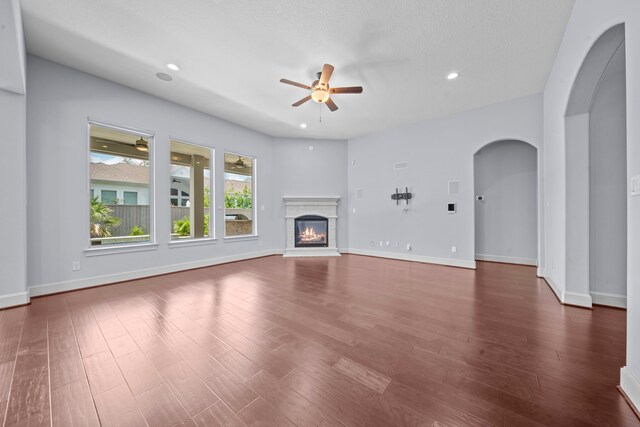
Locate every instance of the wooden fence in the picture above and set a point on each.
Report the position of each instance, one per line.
(132, 215)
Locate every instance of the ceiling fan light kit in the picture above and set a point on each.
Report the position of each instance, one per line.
(142, 145)
(320, 90)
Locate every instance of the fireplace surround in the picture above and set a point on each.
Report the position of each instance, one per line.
(311, 226)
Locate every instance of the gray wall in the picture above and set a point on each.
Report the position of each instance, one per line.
(13, 160)
(60, 101)
(437, 151)
(505, 173)
(301, 171)
(13, 209)
(607, 182)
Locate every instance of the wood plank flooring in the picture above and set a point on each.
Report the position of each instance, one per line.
(349, 341)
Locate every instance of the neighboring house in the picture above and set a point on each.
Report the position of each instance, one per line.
(127, 184)
(120, 183)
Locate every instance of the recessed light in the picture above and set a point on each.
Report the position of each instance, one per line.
(105, 146)
(164, 77)
(303, 125)
(453, 75)
(173, 67)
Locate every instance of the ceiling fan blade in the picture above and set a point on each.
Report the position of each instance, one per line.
(296, 84)
(302, 101)
(353, 89)
(332, 105)
(327, 71)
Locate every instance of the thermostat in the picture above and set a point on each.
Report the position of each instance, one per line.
(451, 208)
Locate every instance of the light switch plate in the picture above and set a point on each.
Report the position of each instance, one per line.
(635, 185)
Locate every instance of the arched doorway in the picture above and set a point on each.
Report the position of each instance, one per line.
(596, 161)
(506, 205)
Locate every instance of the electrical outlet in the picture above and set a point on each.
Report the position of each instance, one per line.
(75, 266)
(381, 243)
(354, 210)
(408, 246)
(454, 249)
(388, 243)
(372, 243)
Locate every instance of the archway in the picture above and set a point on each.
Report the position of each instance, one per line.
(506, 205)
(596, 167)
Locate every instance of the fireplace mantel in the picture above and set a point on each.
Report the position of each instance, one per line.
(297, 206)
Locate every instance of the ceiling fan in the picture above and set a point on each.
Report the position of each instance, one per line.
(239, 164)
(320, 90)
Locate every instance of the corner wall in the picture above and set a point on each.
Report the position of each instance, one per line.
(588, 21)
(310, 167)
(13, 208)
(436, 152)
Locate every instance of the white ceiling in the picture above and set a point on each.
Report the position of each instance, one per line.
(233, 52)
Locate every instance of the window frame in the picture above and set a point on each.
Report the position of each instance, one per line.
(254, 197)
(212, 238)
(126, 247)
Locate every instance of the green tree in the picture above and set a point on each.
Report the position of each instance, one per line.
(101, 221)
(238, 200)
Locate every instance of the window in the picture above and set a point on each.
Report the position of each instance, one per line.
(120, 188)
(109, 197)
(190, 193)
(130, 197)
(238, 195)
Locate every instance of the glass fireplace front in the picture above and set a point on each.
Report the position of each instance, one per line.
(311, 231)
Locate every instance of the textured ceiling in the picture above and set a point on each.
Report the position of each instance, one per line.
(233, 52)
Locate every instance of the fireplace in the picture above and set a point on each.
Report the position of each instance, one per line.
(311, 228)
(311, 231)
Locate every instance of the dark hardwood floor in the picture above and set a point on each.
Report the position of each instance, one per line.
(314, 342)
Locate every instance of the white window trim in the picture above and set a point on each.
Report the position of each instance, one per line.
(241, 238)
(120, 249)
(212, 194)
(192, 242)
(133, 247)
(254, 196)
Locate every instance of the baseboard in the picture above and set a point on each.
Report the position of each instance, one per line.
(630, 389)
(507, 259)
(13, 300)
(554, 288)
(71, 285)
(415, 258)
(611, 300)
(577, 299)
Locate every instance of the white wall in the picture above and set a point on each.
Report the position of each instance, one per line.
(506, 222)
(301, 171)
(588, 21)
(607, 185)
(13, 209)
(437, 151)
(59, 103)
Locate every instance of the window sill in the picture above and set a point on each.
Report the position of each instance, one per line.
(192, 242)
(113, 249)
(242, 238)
